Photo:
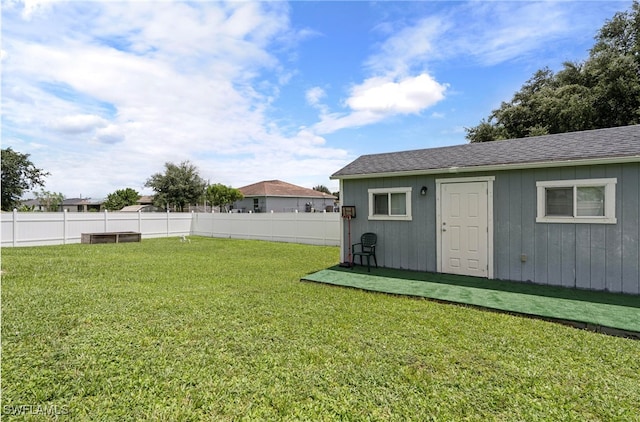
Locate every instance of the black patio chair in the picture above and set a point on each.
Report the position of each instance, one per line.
(367, 248)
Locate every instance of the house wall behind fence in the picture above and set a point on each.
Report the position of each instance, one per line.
(57, 228)
(309, 228)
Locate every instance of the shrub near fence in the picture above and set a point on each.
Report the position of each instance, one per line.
(318, 228)
(37, 229)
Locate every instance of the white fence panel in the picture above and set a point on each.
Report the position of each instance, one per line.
(35, 229)
(308, 228)
(55, 228)
(158, 225)
(79, 223)
(42, 229)
(7, 229)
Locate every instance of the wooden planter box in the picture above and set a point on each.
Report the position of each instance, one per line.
(113, 237)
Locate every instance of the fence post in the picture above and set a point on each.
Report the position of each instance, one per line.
(14, 227)
(167, 222)
(140, 222)
(106, 221)
(271, 226)
(64, 227)
(324, 227)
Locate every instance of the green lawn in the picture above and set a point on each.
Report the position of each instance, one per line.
(220, 329)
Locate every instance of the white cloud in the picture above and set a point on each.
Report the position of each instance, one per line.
(330, 123)
(18, 94)
(311, 139)
(379, 98)
(111, 134)
(78, 123)
(408, 47)
(314, 95)
(139, 84)
(398, 85)
(32, 7)
(489, 33)
(388, 97)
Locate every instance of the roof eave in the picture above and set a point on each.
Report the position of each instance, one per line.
(494, 167)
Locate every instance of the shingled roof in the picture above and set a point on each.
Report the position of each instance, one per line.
(621, 144)
(280, 188)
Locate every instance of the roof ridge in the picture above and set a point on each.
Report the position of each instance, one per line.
(281, 188)
(526, 138)
(621, 141)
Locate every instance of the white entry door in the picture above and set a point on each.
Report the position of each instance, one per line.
(464, 228)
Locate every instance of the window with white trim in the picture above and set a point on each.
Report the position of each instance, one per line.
(577, 201)
(390, 204)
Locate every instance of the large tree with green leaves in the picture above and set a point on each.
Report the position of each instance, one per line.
(121, 198)
(18, 175)
(322, 188)
(178, 186)
(604, 91)
(221, 196)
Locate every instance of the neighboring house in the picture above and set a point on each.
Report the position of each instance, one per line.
(83, 205)
(33, 204)
(278, 196)
(141, 208)
(145, 200)
(70, 205)
(559, 209)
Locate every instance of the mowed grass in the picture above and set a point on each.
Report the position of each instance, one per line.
(221, 329)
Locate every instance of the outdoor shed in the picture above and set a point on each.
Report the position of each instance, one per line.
(559, 209)
(279, 196)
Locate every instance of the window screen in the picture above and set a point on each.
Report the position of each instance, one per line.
(559, 202)
(590, 201)
(398, 204)
(381, 204)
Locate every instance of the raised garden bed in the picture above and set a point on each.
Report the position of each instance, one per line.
(111, 237)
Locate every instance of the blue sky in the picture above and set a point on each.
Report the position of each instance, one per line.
(102, 94)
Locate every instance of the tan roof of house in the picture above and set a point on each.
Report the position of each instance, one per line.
(132, 208)
(145, 199)
(280, 188)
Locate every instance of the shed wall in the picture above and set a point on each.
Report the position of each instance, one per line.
(401, 244)
(587, 256)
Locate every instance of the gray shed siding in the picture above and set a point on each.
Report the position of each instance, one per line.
(401, 244)
(587, 256)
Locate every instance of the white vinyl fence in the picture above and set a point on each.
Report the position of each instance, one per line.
(56, 228)
(319, 228)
